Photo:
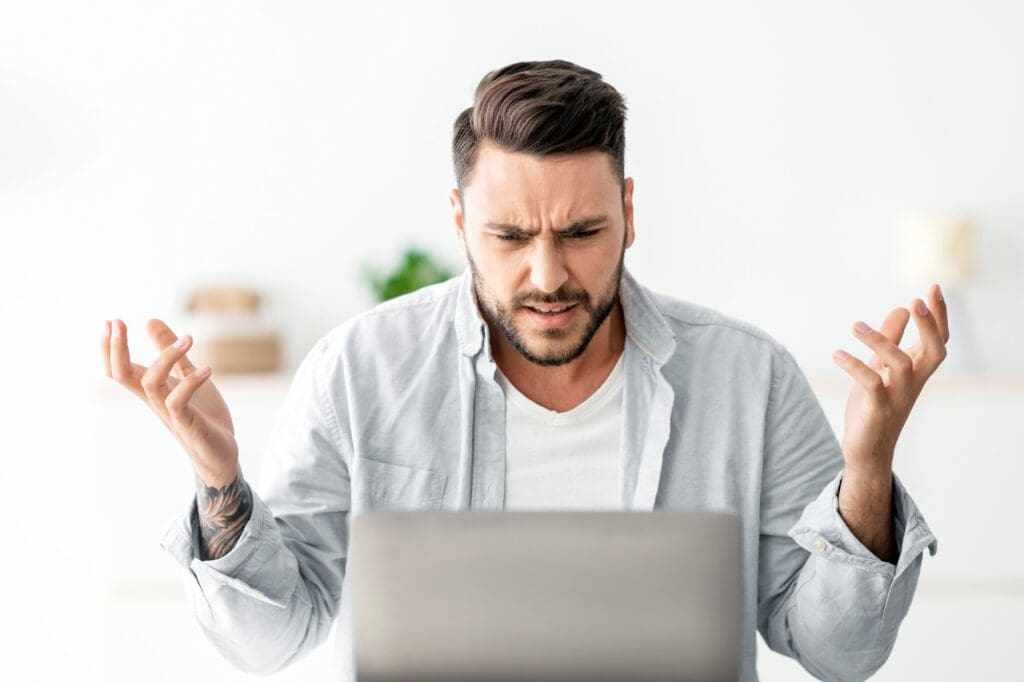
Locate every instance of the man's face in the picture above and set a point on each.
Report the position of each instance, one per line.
(540, 233)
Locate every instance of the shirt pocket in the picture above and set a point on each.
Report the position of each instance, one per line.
(383, 485)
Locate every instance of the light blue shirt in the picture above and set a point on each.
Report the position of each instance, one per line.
(399, 408)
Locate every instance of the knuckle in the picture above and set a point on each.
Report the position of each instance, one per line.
(179, 397)
(173, 404)
(182, 419)
(148, 381)
(904, 364)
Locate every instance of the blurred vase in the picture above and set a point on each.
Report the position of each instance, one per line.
(231, 331)
(939, 248)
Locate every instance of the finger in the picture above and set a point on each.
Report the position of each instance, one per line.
(933, 347)
(176, 403)
(154, 381)
(163, 337)
(893, 326)
(938, 308)
(105, 347)
(900, 365)
(122, 369)
(863, 375)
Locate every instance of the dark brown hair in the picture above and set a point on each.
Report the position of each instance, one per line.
(542, 107)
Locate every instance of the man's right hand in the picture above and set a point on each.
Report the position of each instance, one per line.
(189, 406)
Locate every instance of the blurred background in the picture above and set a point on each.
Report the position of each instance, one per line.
(238, 169)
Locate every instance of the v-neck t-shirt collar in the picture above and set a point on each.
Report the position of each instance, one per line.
(594, 401)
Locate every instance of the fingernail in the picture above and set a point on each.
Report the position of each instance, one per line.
(180, 343)
(862, 328)
(115, 329)
(938, 293)
(922, 309)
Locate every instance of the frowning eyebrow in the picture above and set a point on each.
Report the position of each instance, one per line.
(576, 226)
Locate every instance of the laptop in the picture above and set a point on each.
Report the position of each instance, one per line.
(545, 595)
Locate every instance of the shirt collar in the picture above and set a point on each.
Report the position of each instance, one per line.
(645, 324)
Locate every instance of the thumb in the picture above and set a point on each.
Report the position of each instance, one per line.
(162, 337)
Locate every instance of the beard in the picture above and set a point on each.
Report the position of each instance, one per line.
(502, 317)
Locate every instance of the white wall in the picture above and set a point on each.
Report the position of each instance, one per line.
(147, 147)
(772, 144)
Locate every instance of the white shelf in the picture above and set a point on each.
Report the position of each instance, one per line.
(265, 385)
(938, 382)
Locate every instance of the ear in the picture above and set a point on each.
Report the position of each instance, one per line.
(627, 211)
(458, 219)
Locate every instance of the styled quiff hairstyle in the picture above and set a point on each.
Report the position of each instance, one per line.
(542, 107)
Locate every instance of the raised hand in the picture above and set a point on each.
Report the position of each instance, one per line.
(889, 384)
(879, 404)
(188, 404)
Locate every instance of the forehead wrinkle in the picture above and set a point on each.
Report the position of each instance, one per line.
(545, 210)
(536, 192)
(582, 223)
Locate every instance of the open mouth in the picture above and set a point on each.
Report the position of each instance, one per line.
(551, 317)
(552, 311)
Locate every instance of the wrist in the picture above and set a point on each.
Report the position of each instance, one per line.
(861, 489)
(217, 477)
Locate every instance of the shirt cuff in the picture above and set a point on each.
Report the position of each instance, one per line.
(240, 566)
(821, 530)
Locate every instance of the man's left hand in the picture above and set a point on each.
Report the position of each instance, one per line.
(879, 404)
(888, 385)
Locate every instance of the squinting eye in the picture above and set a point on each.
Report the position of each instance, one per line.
(582, 234)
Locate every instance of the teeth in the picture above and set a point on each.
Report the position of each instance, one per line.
(552, 310)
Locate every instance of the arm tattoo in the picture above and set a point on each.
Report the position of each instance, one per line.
(223, 513)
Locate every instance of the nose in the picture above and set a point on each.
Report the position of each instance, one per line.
(547, 273)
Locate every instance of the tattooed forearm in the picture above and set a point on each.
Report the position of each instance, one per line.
(223, 513)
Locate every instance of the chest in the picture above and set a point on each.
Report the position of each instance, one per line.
(465, 442)
(568, 460)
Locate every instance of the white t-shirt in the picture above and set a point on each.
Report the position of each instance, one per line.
(564, 460)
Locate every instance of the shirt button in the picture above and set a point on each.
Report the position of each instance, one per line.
(820, 544)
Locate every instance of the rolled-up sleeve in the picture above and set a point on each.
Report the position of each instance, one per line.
(274, 596)
(824, 598)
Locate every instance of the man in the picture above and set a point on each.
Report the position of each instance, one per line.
(546, 376)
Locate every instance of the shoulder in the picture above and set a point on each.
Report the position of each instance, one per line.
(696, 325)
(721, 354)
(396, 326)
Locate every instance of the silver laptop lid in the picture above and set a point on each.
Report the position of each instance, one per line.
(538, 595)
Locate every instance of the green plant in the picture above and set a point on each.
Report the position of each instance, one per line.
(417, 269)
